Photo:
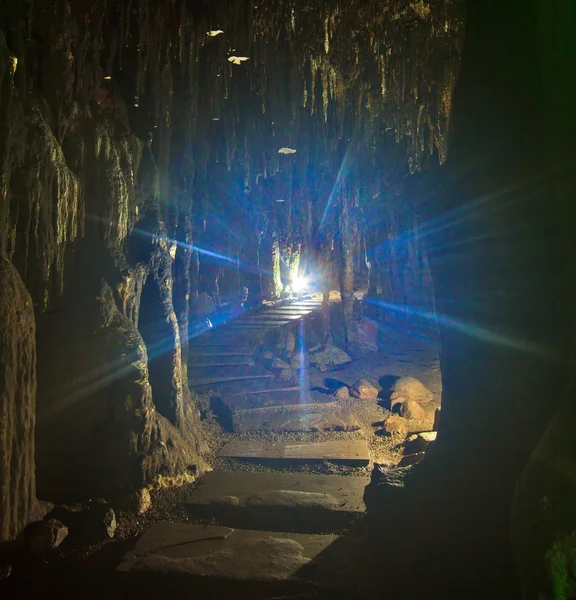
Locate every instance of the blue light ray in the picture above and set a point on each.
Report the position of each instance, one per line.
(469, 329)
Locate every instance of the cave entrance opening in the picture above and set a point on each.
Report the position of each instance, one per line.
(158, 335)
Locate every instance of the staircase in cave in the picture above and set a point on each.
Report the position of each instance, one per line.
(267, 522)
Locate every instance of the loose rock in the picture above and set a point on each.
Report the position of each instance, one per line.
(48, 536)
(278, 363)
(285, 374)
(395, 426)
(88, 525)
(328, 358)
(364, 390)
(409, 388)
(143, 501)
(342, 393)
(412, 410)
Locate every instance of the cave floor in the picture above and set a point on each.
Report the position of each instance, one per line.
(282, 514)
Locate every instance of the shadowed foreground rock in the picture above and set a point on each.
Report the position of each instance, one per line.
(17, 403)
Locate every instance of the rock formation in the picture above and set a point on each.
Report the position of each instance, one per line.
(17, 403)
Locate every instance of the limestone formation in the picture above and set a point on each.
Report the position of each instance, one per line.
(17, 403)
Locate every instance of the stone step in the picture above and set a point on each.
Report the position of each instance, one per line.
(195, 556)
(290, 310)
(212, 341)
(202, 360)
(281, 396)
(265, 317)
(215, 371)
(223, 351)
(257, 324)
(352, 452)
(296, 418)
(278, 501)
(249, 386)
(307, 303)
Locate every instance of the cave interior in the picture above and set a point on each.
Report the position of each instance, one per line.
(286, 299)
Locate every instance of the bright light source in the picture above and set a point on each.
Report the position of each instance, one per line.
(299, 284)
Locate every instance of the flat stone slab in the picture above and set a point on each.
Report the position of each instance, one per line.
(273, 398)
(265, 317)
(221, 553)
(345, 452)
(224, 351)
(286, 490)
(214, 372)
(303, 417)
(224, 380)
(248, 386)
(257, 324)
(202, 360)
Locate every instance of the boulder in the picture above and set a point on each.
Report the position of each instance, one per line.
(47, 536)
(364, 390)
(395, 425)
(412, 410)
(328, 358)
(278, 363)
(409, 388)
(342, 393)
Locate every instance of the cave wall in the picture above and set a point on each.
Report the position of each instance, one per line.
(17, 403)
(140, 164)
(498, 221)
(87, 220)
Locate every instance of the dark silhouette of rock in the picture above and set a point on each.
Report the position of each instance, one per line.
(47, 537)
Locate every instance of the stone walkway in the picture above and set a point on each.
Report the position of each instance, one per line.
(264, 531)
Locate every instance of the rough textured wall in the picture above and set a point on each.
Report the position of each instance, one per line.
(86, 222)
(128, 127)
(498, 230)
(17, 403)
